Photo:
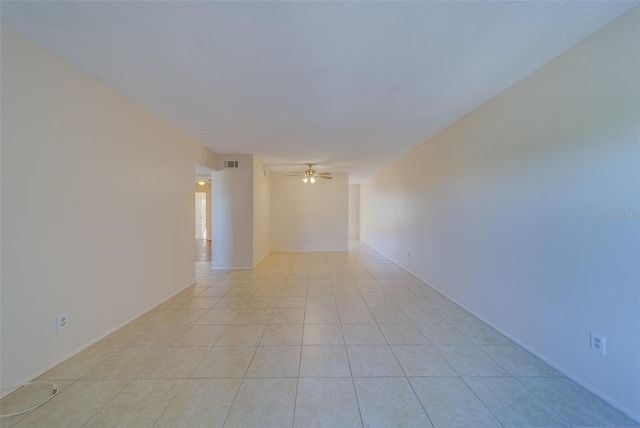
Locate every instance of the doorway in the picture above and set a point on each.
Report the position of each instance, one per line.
(203, 244)
(201, 215)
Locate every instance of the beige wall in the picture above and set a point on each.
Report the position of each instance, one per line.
(509, 211)
(261, 211)
(354, 211)
(206, 188)
(232, 214)
(309, 217)
(84, 242)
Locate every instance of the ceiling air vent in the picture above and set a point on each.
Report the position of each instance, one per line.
(230, 164)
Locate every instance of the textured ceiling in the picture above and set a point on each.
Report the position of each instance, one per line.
(350, 85)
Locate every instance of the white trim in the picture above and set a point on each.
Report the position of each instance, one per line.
(313, 251)
(231, 268)
(97, 339)
(561, 369)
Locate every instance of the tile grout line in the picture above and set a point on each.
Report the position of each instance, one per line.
(295, 401)
(241, 383)
(170, 402)
(541, 401)
(406, 378)
(412, 323)
(108, 401)
(353, 381)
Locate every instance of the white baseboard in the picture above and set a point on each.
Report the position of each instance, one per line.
(556, 366)
(233, 268)
(311, 251)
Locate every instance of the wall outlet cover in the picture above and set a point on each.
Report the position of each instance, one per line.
(599, 343)
(62, 321)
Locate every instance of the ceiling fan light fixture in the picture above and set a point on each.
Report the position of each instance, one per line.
(310, 175)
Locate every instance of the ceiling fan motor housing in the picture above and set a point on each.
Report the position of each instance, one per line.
(310, 174)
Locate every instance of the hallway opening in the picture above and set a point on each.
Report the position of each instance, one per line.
(203, 217)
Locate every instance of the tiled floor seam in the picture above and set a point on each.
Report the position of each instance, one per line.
(542, 401)
(170, 402)
(295, 402)
(353, 383)
(407, 379)
(107, 402)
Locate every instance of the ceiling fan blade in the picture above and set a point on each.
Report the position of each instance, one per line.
(324, 176)
(324, 173)
(294, 175)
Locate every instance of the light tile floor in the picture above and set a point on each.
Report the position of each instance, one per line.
(314, 339)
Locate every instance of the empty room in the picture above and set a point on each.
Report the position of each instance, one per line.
(406, 214)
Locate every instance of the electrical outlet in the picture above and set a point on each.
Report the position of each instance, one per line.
(599, 343)
(62, 321)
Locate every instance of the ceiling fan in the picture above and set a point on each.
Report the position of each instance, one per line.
(310, 174)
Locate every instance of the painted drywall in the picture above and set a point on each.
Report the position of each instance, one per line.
(82, 168)
(525, 211)
(261, 211)
(309, 217)
(232, 215)
(206, 188)
(354, 211)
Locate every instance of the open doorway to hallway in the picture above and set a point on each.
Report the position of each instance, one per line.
(203, 245)
(202, 214)
(203, 250)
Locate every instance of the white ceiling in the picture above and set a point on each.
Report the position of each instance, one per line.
(202, 171)
(349, 85)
